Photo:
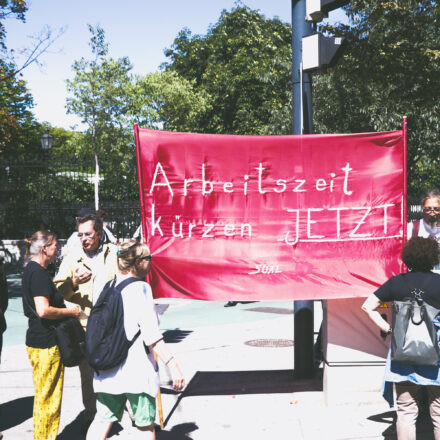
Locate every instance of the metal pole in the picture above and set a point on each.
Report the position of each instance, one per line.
(302, 124)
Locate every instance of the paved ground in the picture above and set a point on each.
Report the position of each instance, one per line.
(238, 363)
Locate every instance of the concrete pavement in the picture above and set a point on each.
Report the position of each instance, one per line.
(238, 363)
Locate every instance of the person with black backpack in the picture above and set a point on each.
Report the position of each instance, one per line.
(123, 356)
(413, 360)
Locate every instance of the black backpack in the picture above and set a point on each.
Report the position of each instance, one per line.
(106, 342)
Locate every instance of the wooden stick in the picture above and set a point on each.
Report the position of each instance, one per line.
(159, 402)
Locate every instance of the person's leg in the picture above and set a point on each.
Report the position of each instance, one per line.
(407, 410)
(48, 376)
(109, 409)
(88, 395)
(434, 408)
(146, 432)
(99, 429)
(144, 411)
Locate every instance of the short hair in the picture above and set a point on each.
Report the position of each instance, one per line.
(433, 194)
(37, 241)
(128, 252)
(420, 254)
(84, 211)
(97, 221)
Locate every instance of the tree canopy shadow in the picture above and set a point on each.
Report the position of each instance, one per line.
(178, 432)
(74, 430)
(424, 425)
(175, 336)
(221, 383)
(15, 412)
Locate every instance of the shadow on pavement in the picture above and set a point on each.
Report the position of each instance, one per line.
(178, 432)
(75, 429)
(72, 430)
(175, 336)
(216, 383)
(221, 383)
(424, 425)
(15, 412)
(274, 310)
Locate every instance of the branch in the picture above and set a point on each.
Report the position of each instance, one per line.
(42, 41)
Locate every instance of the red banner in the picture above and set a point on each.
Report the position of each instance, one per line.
(271, 217)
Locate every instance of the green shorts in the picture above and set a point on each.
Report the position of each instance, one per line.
(110, 407)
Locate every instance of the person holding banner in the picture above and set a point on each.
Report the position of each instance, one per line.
(137, 379)
(429, 225)
(411, 381)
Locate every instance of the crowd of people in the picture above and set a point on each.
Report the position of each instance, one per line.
(89, 261)
(92, 258)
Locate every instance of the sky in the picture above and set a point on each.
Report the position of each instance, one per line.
(139, 29)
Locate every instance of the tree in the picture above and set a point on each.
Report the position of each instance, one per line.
(243, 67)
(18, 129)
(97, 96)
(390, 69)
(165, 100)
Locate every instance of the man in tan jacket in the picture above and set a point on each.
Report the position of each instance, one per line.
(81, 278)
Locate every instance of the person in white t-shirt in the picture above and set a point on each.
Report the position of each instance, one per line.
(137, 378)
(429, 225)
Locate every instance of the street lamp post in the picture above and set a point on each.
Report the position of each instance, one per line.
(46, 145)
(46, 140)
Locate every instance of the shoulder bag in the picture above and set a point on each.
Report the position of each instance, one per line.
(414, 335)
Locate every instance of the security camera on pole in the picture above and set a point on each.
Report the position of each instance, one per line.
(307, 56)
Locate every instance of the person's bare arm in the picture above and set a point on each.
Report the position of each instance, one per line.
(369, 307)
(167, 358)
(46, 311)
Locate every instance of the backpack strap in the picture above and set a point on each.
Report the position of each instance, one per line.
(122, 285)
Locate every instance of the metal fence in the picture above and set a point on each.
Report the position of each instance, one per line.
(48, 192)
(38, 193)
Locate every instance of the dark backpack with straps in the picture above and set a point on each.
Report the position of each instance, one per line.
(414, 334)
(106, 342)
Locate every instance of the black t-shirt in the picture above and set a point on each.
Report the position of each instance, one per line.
(396, 289)
(37, 282)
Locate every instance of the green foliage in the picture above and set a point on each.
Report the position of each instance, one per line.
(9, 8)
(242, 66)
(166, 100)
(109, 99)
(390, 69)
(18, 130)
(98, 95)
(98, 91)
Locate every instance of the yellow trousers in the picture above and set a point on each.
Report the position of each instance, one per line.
(48, 375)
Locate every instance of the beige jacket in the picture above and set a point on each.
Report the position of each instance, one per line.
(83, 295)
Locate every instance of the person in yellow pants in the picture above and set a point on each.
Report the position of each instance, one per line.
(48, 375)
(44, 306)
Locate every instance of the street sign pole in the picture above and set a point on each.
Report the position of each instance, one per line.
(302, 124)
